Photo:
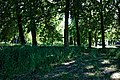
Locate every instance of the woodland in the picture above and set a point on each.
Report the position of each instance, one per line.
(59, 39)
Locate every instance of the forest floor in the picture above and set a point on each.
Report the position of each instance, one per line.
(99, 67)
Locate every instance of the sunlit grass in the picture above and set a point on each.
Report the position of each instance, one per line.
(68, 63)
(115, 76)
(109, 69)
(89, 74)
(89, 67)
(105, 62)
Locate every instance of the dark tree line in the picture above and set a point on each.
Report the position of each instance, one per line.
(92, 21)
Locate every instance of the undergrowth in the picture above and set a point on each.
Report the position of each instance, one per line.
(17, 60)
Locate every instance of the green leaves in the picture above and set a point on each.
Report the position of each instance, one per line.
(48, 15)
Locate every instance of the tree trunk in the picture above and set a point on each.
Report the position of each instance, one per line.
(66, 24)
(95, 38)
(32, 25)
(89, 39)
(52, 39)
(74, 41)
(102, 26)
(77, 30)
(89, 33)
(19, 20)
(33, 32)
(71, 40)
(76, 15)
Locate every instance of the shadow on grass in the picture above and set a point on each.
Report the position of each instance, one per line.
(75, 64)
(90, 67)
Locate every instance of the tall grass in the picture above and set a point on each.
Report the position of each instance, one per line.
(17, 60)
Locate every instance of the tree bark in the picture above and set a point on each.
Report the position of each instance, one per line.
(21, 35)
(89, 33)
(76, 15)
(77, 30)
(102, 26)
(66, 24)
(33, 32)
(19, 20)
(95, 38)
(89, 39)
(32, 26)
(71, 40)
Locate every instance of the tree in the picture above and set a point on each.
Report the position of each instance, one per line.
(90, 32)
(8, 26)
(76, 14)
(41, 18)
(66, 24)
(31, 7)
(19, 20)
(102, 24)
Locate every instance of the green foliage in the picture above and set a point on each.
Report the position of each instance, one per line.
(21, 60)
(43, 12)
(47, 16)
(117, 54)
(18, 60)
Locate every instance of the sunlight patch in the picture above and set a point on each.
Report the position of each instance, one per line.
(89, 73)
(86, 54)
(67, 63)
(112, 68)
(55, 75)
(115, 76)
(90, 67)
(105, 62)
(60, 74)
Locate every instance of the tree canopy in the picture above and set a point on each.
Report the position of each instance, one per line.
(68, 22)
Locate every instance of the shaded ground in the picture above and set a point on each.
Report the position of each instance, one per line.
(89, 67)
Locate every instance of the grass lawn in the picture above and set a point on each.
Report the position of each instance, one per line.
(52, 63)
